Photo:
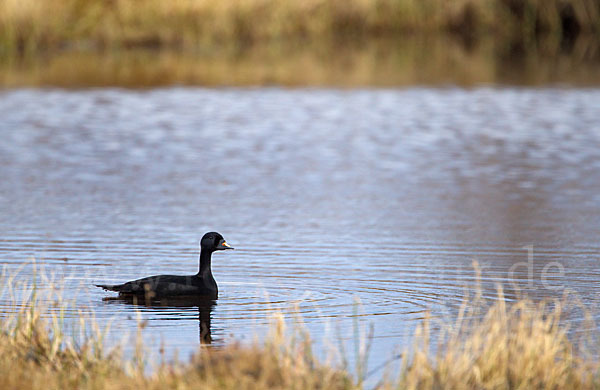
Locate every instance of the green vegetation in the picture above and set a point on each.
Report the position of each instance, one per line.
(33, 25)
(517, 346)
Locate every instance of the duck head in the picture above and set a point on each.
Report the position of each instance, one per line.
(213, 241)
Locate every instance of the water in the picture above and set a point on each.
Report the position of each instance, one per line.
(331, 197)
(430, 59)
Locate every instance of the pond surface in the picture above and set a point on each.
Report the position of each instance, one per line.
(331, 197)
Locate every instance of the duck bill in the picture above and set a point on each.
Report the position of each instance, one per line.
(224, 245)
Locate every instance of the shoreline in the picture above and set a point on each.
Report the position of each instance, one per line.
(423, 60)
(33, 26)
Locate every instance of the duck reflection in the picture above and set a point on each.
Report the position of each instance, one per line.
(205, 307)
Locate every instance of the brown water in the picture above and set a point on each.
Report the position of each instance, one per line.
(435, 60)
(329, 196)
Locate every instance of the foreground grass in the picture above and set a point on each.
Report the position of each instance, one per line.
(37, 353)
(30, 25)
(517, 346)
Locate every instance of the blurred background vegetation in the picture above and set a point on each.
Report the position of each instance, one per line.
(375, 42)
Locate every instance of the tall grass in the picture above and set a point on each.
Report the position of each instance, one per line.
(510, 346)
(31, 25)
(38, 351)
(521, 345)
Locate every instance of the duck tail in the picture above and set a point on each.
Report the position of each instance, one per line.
(106, 287)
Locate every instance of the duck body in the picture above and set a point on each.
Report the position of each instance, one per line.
(202, 284)
(167, 286)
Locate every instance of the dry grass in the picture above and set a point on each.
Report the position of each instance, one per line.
(37, 352)
(518, 346)
(30, 25)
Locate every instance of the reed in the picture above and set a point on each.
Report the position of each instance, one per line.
(502, 346)
(39, 351)
(508, 346)
(32, 25)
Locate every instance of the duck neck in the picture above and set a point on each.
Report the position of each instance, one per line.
(205, 263)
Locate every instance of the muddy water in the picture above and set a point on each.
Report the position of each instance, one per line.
(331, 197)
